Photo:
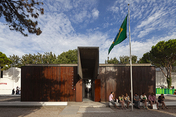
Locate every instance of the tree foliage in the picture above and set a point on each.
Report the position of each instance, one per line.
(16, 60)
(19, 14)
(145, 58)
(126, 59)
(46, 58)
(69, 57)
(162, 55)
(112, 61)
(123, 60)
(4, 61)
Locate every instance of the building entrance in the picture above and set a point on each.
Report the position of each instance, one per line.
(87, 90)
(88, 64)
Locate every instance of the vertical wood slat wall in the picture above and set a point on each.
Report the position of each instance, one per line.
(48, 83)
(56, 83)
(97, 90)
(117, 79)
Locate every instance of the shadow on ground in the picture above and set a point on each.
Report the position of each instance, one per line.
(9, 98)
(126, 113)
(30, 111)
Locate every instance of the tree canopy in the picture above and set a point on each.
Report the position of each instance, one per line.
(46, 58)
(4, 61)
(145, 58)
(20, 15)
(69, 57)
(123, 60)
(112, 61)
(126, 59)
(162, 55)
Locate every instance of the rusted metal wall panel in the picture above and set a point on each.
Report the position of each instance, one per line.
(97, 90)
(117, 79)
(103, 80)
(79, 91)
(48, 83)
(56, 83)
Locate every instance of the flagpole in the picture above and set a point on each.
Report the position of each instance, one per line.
(130, 60)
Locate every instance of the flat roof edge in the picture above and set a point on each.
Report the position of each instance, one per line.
(70, 65)
(87, 47)
(67, 65)
(111, 65)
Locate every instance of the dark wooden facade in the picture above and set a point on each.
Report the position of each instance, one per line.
(48, 83)
(97, 90)
(117, 79)
(62, 83)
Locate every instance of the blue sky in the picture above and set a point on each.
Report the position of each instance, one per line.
(68, 24)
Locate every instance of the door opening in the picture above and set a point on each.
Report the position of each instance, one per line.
(87, 90)
(88, 64)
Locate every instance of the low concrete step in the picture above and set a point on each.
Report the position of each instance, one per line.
(18, 103)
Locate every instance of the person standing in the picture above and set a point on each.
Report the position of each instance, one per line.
(13, 91)
(17, 90)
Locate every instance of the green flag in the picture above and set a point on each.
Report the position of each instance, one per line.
(122, 35)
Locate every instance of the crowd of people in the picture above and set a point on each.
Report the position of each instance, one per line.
(17, 92)
(136, 100)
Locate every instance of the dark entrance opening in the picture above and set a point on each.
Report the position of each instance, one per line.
(87, 90)
(88, 64)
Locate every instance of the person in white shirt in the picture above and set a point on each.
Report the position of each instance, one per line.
(112, 100)
(144, 100)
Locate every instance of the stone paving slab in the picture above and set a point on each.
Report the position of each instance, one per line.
(88, 104)
(69, 110)
(95, 110)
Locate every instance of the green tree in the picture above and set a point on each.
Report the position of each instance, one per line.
(4, 61)
(112, 61)
(46, 58)
(162, 55)
(145, 58)
(126, 59)
(19, 14)
(69, 57)
(134, 59)
(16, 60)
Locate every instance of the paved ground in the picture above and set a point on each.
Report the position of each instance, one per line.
(82, 112)
(30, 111)
(81, 109)
(8, 98)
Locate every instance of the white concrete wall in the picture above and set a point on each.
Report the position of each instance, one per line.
(161, 79)
(11, 79)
